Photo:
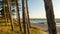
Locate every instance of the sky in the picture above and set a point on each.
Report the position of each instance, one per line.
(37, 9)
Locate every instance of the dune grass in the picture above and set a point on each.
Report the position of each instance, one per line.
(7, 29)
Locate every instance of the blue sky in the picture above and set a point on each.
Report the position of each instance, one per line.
(37, 10)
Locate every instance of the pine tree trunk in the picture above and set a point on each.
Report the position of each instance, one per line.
(50, 17)
(24, 17)
(18, 15)
(27, 17)
(28, 13)
(10, 13)
(3, 4)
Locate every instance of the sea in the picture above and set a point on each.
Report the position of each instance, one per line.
(44, 21)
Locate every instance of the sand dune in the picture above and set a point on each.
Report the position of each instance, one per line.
(44, 27)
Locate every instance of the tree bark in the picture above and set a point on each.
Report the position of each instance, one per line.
(28, 13)
(3, 4)
(27, 17)
(24, 17)
(10, 13)
(50, 17)
(18, 15)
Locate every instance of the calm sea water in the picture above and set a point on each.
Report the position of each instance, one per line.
(44, 21)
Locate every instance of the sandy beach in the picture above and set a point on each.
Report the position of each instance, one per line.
(44, 27)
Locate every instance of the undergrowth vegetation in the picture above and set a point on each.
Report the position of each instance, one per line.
(7, 29)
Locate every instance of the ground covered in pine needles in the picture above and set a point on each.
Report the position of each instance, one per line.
(7, 29)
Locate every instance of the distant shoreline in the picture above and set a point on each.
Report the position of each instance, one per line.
(44, 27)
(57, 24)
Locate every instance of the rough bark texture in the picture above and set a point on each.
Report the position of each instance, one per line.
(10, 13)
(50, 17)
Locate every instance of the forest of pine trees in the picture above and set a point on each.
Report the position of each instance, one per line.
(9, 7)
